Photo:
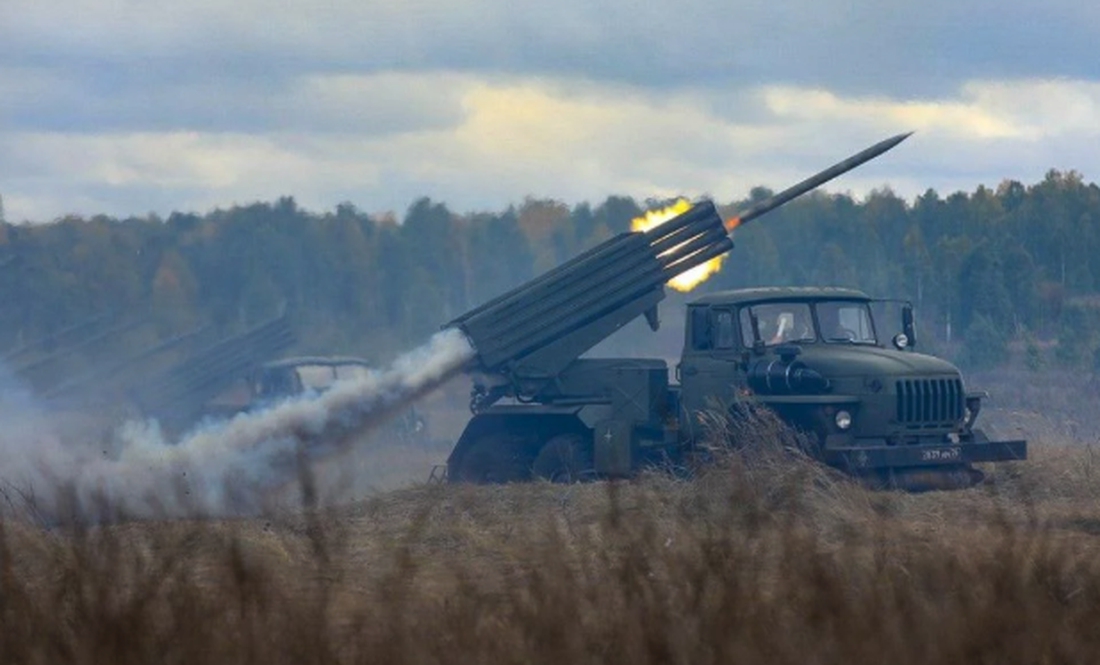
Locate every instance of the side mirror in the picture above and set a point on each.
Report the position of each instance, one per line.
(908, 328)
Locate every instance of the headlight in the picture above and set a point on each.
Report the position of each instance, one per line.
(969, 416)
(843, 419)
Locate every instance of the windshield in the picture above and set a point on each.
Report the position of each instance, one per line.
(316, 377)
(352, 371)
(779, 322)
(836, 321)
(846, 321)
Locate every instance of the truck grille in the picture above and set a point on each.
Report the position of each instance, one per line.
(930, 402)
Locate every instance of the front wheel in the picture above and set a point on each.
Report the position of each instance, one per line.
(565, 458)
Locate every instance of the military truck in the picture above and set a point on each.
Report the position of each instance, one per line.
(870, 406)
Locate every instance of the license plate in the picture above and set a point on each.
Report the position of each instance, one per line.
(941, 454)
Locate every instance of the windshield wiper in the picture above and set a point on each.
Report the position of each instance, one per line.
(849, 340)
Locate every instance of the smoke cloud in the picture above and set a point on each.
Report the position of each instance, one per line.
(222, 467)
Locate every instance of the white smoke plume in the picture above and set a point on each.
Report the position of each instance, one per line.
(211, 469)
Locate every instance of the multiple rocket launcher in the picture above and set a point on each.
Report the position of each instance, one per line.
(576, 417)
(536, 330)
(629, 268)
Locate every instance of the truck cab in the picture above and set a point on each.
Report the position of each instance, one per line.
(868, 402)
(289, 378)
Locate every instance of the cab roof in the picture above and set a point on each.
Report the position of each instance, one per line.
(766, 293)
(330, 361)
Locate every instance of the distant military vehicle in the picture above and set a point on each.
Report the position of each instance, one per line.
(292, 376)
(817, 357)
(277, 380)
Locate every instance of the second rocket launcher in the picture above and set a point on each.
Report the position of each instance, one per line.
(536, 330)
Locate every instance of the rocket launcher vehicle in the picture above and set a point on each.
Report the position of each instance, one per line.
(529, 335)
(891, 417)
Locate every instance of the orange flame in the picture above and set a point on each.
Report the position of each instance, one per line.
(732, 223)
(688, 280)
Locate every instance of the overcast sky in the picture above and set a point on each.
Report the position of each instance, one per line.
(126, 107)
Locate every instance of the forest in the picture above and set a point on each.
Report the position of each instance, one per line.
(991, 272)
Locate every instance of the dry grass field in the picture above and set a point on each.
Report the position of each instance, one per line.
(763, 558)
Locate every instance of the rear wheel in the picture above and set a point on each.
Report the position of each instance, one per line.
(565, 458)
(494, 458)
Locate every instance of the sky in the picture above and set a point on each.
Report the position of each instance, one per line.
(131, 107)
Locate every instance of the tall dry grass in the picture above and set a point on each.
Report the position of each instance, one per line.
(763, 557)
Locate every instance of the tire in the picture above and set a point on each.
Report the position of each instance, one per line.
(492, 459)
(565, 458)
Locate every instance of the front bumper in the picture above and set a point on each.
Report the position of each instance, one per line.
(869, 458)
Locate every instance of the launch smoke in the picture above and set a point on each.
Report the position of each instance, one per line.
(211, 468)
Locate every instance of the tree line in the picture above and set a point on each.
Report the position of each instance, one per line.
(988, 270)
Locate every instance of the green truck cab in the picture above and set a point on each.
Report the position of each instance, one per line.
(816, 356)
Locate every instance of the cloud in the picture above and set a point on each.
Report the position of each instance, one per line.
(893, 47)
(123, 107)
(386, 102)
(487, 144)
(1028, 110)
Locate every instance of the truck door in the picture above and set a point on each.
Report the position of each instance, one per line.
(711, 364)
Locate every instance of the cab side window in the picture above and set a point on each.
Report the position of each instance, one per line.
(723, 329)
